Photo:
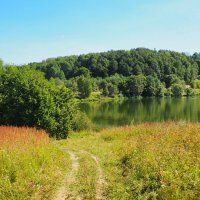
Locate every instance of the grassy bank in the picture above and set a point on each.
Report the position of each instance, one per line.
(31, 166)
(148, 161)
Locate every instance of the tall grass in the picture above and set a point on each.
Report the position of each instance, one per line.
(147, 161)
(23, 135)
(30, 164)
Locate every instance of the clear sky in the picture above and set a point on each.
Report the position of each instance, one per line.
(33, 30)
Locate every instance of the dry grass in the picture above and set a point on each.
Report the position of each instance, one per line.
(23, 135)
(146, 161)
(31, 166)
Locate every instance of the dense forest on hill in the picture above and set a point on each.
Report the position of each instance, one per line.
(136, 72)
(43, 94)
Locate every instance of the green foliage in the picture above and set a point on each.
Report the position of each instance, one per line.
(177, 90)
(83, 71)
(161, 90)
(109, 89)
(172, 79)
(134, 86)
(161, 69)
(153, 87)
(189, 91)
(1, 64)
(196, 84)
(166, 65)
(146, 161)
(27, 99)
(84, 86)
(112, 90)
(81, 122)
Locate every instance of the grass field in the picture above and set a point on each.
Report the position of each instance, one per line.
(147, 161)
(31, 166)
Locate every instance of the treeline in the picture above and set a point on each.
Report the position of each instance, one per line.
(42, 95)
(28, 99)
(130, 73)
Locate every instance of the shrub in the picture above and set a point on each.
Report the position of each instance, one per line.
(196, 84)
(28, 99)
(189, 91)
(81, 122)
(177, 90)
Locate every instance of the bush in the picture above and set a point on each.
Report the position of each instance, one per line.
(189, 91)
(177, 90)
(28, 99)
(196, 84)
(134, 86)
(81, 122)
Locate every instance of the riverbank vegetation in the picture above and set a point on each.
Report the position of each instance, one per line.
(44, 95)
(28, 99)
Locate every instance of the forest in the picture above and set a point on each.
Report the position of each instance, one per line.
(138, 72)
(44, 95)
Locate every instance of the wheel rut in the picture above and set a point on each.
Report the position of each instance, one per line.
(100, 183)
(70, 178)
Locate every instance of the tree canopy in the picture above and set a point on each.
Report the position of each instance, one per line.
(28, 99)
(161, 64)
(135, 72)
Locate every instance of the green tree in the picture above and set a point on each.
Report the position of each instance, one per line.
(172, 79)
(189, 91)
(1, 63)
(112, 90)
(134, 86)
(153, 87)
(177, 90)
(84, 86)
(83, 71)
(196, 84)
(27, 99)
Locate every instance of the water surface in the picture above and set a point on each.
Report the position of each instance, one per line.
(131, 111)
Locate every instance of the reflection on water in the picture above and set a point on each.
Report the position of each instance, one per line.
(143, 110)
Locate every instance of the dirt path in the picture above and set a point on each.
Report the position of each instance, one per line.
(100, 180)
(63, 192)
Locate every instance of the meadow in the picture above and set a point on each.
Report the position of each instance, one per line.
(145, 161)
(31, 166)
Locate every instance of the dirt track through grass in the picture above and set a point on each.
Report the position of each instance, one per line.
(100, 182)
(70, 178)
(69, 189)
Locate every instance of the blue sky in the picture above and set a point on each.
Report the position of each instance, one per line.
(33, 30)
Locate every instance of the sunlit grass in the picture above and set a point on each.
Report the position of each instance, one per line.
(147, 161)
(31, 166)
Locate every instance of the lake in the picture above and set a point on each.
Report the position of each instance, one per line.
(131, 111)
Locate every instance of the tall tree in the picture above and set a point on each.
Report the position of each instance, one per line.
(84, 86)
